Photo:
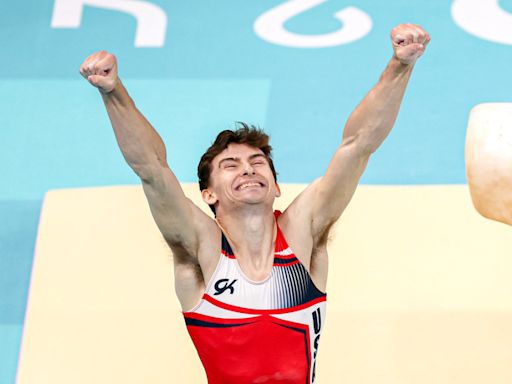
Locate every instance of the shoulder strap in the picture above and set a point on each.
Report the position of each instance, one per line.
(226, 248)
(281, 243)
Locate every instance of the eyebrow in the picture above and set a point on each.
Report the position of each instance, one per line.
(237, 159)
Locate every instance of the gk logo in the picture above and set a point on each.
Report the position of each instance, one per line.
(223, 285)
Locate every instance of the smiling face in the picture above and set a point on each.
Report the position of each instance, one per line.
(240, 176)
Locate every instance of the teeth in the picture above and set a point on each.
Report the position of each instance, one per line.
(246, 185)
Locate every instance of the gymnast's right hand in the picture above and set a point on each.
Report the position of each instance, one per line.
(100, 69)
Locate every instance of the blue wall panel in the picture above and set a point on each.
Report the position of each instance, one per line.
(213, 70)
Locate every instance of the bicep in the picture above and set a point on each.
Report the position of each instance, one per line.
(323, 202)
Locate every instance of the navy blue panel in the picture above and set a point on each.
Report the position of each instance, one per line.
(226, 247)
(208, 324)
(313, 292)
(278, 260)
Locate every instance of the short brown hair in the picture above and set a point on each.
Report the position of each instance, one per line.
(244, 134)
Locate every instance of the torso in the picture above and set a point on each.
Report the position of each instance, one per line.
(249, 331)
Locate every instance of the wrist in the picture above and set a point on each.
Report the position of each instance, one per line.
(117, 95)
(112, 90)
(399, 66)
(396, 71)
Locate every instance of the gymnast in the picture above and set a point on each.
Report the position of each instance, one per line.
(252, 281)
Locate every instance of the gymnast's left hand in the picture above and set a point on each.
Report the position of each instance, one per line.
(409, 42)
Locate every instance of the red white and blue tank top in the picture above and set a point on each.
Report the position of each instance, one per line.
(258, 332)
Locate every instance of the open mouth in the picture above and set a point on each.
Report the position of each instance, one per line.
(249, 184)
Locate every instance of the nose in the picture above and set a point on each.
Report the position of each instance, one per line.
(248, 169)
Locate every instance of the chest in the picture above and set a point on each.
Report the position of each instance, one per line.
(287, 284)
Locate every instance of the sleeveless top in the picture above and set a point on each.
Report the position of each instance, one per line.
(258, 332)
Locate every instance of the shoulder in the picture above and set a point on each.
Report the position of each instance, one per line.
(208, 240)
(298, 216)
(295, 225)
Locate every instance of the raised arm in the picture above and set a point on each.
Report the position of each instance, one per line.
(365, 130)
(143, 149)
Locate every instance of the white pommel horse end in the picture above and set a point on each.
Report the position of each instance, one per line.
(489, 160)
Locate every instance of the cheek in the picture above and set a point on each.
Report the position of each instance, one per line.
(224, 181)
(271, 177)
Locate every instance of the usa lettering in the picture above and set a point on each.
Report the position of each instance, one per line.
(317, 327)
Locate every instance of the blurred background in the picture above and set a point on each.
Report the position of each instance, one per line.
(295, 68)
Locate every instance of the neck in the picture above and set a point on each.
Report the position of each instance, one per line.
(250, 233)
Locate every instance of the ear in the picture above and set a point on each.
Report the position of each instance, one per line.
(209, 196)
(278, 190)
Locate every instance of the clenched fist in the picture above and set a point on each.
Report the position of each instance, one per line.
(100, 69)
(409, 42)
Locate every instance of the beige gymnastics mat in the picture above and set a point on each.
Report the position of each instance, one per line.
(420, 291)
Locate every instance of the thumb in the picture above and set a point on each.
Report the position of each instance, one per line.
(101, 82)
(409, 53)
(414, 48)
(96, 80)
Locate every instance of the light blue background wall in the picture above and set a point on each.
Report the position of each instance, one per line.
(211, 71)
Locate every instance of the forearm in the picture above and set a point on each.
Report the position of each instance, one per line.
(372, 120)
(142, 147)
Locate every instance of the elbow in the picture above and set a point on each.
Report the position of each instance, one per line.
(147, 170)
(360, 144)
(144, 172)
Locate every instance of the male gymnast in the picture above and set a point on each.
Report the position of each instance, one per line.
(252, 281)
